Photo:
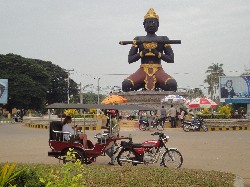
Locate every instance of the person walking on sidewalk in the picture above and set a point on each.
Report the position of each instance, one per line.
(172, 113)
(163, 115)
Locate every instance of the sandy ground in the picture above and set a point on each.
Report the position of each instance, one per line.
(220, 151)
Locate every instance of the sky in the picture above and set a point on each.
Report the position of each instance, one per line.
(83, 35)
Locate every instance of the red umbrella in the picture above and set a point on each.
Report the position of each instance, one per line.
(213, 104)
(202, 103)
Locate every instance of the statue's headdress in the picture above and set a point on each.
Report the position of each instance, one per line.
(151, 14)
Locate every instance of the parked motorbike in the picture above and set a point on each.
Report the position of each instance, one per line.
(149, 152)
(17, 118)
(195, 124)
(155, 124)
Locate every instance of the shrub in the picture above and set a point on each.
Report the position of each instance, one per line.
(29, 177)
(92, 111)
(101, 175)
(71, 112)
(207, 111)
(212, 116)
(226, 110)
(8, 174)
(205, 116)
(70, 175)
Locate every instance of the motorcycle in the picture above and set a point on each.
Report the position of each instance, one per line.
(195, 124)
(149, 152)
(17, 118)
(155, 124)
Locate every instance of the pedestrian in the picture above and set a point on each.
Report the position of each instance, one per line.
(242, 113)
(172, 113)
(107, 113)
(110, 149)
(182, 115)
(163, 114)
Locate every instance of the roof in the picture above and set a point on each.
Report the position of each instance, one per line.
(97, 106)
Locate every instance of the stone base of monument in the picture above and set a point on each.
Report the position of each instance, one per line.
(149, 98)
(135, 124)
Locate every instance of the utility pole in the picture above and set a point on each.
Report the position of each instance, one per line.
(98, 90)
(81, 96)
(68, 71)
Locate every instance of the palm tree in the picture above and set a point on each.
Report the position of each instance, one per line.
(196, 92)
(214, 72)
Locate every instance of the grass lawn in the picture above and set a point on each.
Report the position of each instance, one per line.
(104, 176)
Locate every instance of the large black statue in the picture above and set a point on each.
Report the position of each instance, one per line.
(151, 49)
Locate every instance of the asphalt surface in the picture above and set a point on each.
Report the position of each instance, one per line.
(221, 151)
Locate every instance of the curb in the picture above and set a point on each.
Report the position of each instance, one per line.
(234, 128)
(91, 127)
(42, 126)
(39, 126)
(6, 122)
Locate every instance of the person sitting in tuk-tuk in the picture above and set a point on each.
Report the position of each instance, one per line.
(73, 136)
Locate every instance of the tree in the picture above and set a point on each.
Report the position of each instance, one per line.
(194, 93)
(34, 83)
(28, 82)
(91, 97)
(58, 87)
(214, 72)
(247, 72)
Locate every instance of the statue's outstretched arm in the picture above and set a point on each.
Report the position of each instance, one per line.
(168, 55)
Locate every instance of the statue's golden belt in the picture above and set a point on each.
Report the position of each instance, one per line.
(153, 68)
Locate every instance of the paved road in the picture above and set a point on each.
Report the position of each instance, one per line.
(221, 151)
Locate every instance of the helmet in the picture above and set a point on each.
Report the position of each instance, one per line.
(112, 113)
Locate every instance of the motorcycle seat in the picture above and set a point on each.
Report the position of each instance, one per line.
(124, 144)
(136, 145)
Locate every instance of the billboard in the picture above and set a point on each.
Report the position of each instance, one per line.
(3, 91)
(234, 87)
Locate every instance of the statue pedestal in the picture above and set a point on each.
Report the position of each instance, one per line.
(149, 98)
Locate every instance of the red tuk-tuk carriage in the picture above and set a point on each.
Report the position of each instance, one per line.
(60, 147)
